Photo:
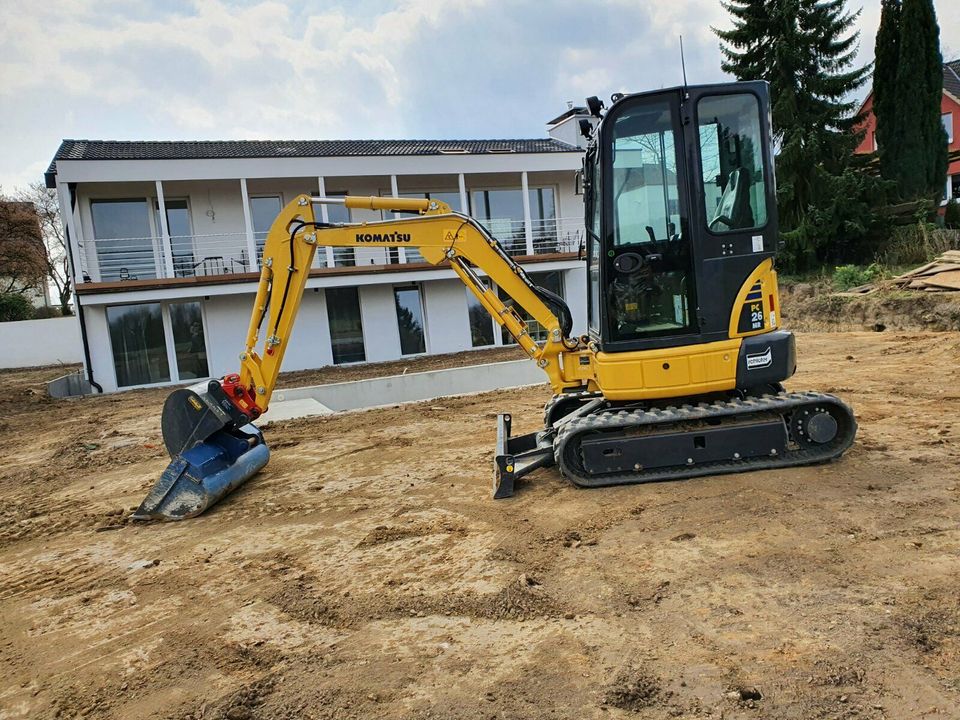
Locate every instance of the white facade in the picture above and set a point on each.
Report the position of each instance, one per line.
(167, 297)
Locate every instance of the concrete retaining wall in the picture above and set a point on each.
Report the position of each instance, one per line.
(31, 343)
(412, 387)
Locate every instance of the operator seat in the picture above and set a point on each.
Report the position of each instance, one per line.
(733, 210)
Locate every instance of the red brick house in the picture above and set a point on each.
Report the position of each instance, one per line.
(950, 114)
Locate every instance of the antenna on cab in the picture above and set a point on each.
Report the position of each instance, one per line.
(683, 64)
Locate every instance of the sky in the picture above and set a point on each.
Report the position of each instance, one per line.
(262, 69)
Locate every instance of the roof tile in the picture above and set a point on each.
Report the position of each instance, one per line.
(229, 149)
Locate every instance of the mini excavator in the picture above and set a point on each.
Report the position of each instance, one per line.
(679, 373)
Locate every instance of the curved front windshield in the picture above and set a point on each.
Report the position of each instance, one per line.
(645, 175)
(650, 288)
(731, 162)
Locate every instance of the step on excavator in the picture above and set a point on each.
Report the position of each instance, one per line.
(679, 372)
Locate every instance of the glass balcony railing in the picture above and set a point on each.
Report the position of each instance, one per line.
(145, 258)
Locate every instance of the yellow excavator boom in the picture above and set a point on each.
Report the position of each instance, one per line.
(440, 235)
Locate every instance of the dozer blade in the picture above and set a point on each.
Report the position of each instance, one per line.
(213, 451)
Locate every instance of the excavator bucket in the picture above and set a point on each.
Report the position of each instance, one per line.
(213, 450)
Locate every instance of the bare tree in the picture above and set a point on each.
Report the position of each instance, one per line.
(23, 262)
(54, 239)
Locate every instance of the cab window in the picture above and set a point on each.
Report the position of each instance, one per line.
(731, 162)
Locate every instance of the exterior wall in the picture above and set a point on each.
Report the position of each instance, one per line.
(948, 104)
(219, 226)
(446, 316)
(446, 321)
(575, 293)
(381, 336)
(30, 343)
(101, 352)
(568, 130)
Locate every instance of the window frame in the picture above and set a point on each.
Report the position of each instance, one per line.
(947, 125)
(763, 155)
(169, 344)
(363, 332)
(494, 335)
(423, 314)
(531, 324)
(342, 250)
(555, 187)
(155, 238)
(260, 243)
(192, 236)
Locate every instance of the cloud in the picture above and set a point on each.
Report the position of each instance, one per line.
(202, 69)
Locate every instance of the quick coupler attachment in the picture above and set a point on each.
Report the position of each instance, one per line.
(213, 450)
(517, 456)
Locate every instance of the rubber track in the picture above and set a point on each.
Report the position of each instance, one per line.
(566, 446)
(582, 396)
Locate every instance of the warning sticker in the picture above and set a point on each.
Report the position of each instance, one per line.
(758, 243)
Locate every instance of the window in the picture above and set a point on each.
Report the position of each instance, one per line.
(543, 218)
(346, 326)
(594, 203)
(139, 344)
(410, 320)
(481, 324)
(181, 235)
(190, 347)
(947, 120)
(263, 211)
(342, 256)
(142, 354)
(125, 247)
(731, 157)
(552, 281)
(501, 212)
(649, 265)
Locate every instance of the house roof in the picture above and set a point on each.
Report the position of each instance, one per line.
(951, 82)
(569, 112)
(231, 149)
(951, 78)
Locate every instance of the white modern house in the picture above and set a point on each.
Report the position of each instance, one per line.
(165, 236)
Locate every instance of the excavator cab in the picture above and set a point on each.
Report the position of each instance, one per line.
(681, 210)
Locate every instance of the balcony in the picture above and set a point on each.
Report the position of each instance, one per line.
(146, 258)
(120, 260)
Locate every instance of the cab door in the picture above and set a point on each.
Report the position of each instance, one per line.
(648, 288)
(733, 198)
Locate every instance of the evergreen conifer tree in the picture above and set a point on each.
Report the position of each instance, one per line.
(885, 63)
(918, 144)
(805, 49)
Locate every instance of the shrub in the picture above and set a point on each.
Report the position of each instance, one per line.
(951, 215)
(917, 244)
(47, 311)
(14, 307)
(850, 276)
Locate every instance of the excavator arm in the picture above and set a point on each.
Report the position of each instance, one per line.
(207, 427)
(440, 235)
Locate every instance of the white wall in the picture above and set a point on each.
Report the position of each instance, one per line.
(446, 316)
(381, 336)
(575, 293)
(31, 343)
(227, 317)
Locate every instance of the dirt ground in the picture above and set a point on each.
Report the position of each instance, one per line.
(367, 573)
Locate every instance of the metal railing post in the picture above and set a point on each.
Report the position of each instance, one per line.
(165, 246)
(528, 229)
(248, 226)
